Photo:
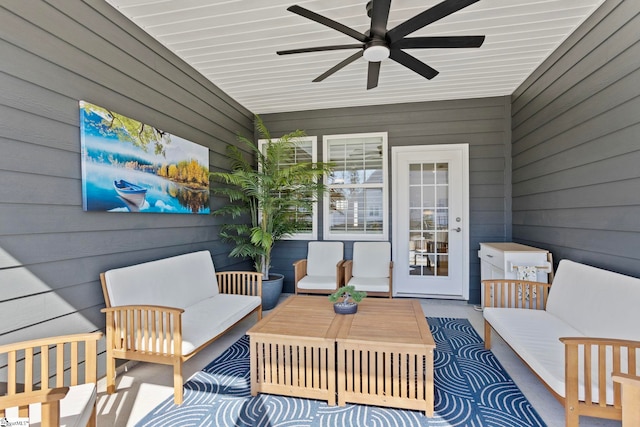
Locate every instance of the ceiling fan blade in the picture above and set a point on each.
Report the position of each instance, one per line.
(380, 17)
(338, 66)
(433, 14)
(413, 64)
(438, 42)
(327, 22)
(373, 75)
(319, 49)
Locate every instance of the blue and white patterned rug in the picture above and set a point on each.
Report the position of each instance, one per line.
(471, 390)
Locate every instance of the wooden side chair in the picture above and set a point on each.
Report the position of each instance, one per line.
(371, 269)
(48, 382)
(321, 272)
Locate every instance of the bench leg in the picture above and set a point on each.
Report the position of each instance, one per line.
(111, 373)
(177, 382)
(572, 418)
(487, 335)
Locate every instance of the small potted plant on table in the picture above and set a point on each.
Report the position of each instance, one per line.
(350, 299)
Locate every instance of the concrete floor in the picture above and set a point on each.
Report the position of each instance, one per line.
(144, 386)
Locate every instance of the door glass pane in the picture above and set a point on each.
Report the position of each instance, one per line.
(429, 219)
(415, 199)
(414, 174)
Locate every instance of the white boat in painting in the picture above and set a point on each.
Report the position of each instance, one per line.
(132, 193)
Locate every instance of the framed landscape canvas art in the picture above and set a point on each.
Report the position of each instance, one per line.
(128, 166)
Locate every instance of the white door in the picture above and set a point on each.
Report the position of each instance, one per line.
(430, 221)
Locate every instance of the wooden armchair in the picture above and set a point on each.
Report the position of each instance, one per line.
(321, 272)
(371, 269)
(50, 375)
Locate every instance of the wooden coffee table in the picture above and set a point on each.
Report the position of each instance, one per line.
(382, 355)
(293, 349)
(385, 356)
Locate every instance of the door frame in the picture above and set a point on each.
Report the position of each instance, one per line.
(463, 149)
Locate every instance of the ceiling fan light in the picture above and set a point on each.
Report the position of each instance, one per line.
(376, 53)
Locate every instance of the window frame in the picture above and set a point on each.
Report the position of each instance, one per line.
(384, 235)
(313, 235)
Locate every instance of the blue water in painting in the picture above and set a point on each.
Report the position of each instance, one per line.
(102, 196)
(104, 158)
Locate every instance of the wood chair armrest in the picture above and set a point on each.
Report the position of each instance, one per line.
(626, 379)
(31, 397)
(49, 400)
(591, 361)
(510, 293)
(630, 397)
(240, 283)
(348, 270)
(299, 270)
(339, 274)
(163, 308)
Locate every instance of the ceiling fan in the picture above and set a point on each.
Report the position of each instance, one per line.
(378, 43)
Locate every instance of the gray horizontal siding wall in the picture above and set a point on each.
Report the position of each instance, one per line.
(482, 123)
(53, 54)
(576, 145)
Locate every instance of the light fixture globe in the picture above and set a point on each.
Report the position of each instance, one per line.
(376, 53)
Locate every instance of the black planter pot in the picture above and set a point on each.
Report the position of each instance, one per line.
(271, 290)
(342, 308)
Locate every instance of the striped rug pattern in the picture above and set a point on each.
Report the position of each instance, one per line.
(471, 390)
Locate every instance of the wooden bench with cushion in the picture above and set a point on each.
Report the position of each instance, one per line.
(165, 311)
(572, 334)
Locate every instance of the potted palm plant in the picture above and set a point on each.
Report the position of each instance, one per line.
(273, 194)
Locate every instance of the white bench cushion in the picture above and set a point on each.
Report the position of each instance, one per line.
(318, 282)
(162, 282)
(75, 408)
(597, 302)
(534, 335)
(212, 316)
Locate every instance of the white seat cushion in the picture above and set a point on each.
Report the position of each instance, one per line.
(534, 335)
(318, 282)
(374, 284)
(212, 316)
(75, 408)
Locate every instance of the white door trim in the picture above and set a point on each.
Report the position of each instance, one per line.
(464, 150)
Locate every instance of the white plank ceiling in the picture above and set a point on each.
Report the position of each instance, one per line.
(234, 42)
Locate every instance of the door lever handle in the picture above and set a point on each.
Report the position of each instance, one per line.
(458, 229)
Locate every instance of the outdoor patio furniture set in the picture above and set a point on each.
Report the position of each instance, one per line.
(578, 335)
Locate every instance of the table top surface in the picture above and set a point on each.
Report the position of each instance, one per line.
(399, 321)
(302, 316)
